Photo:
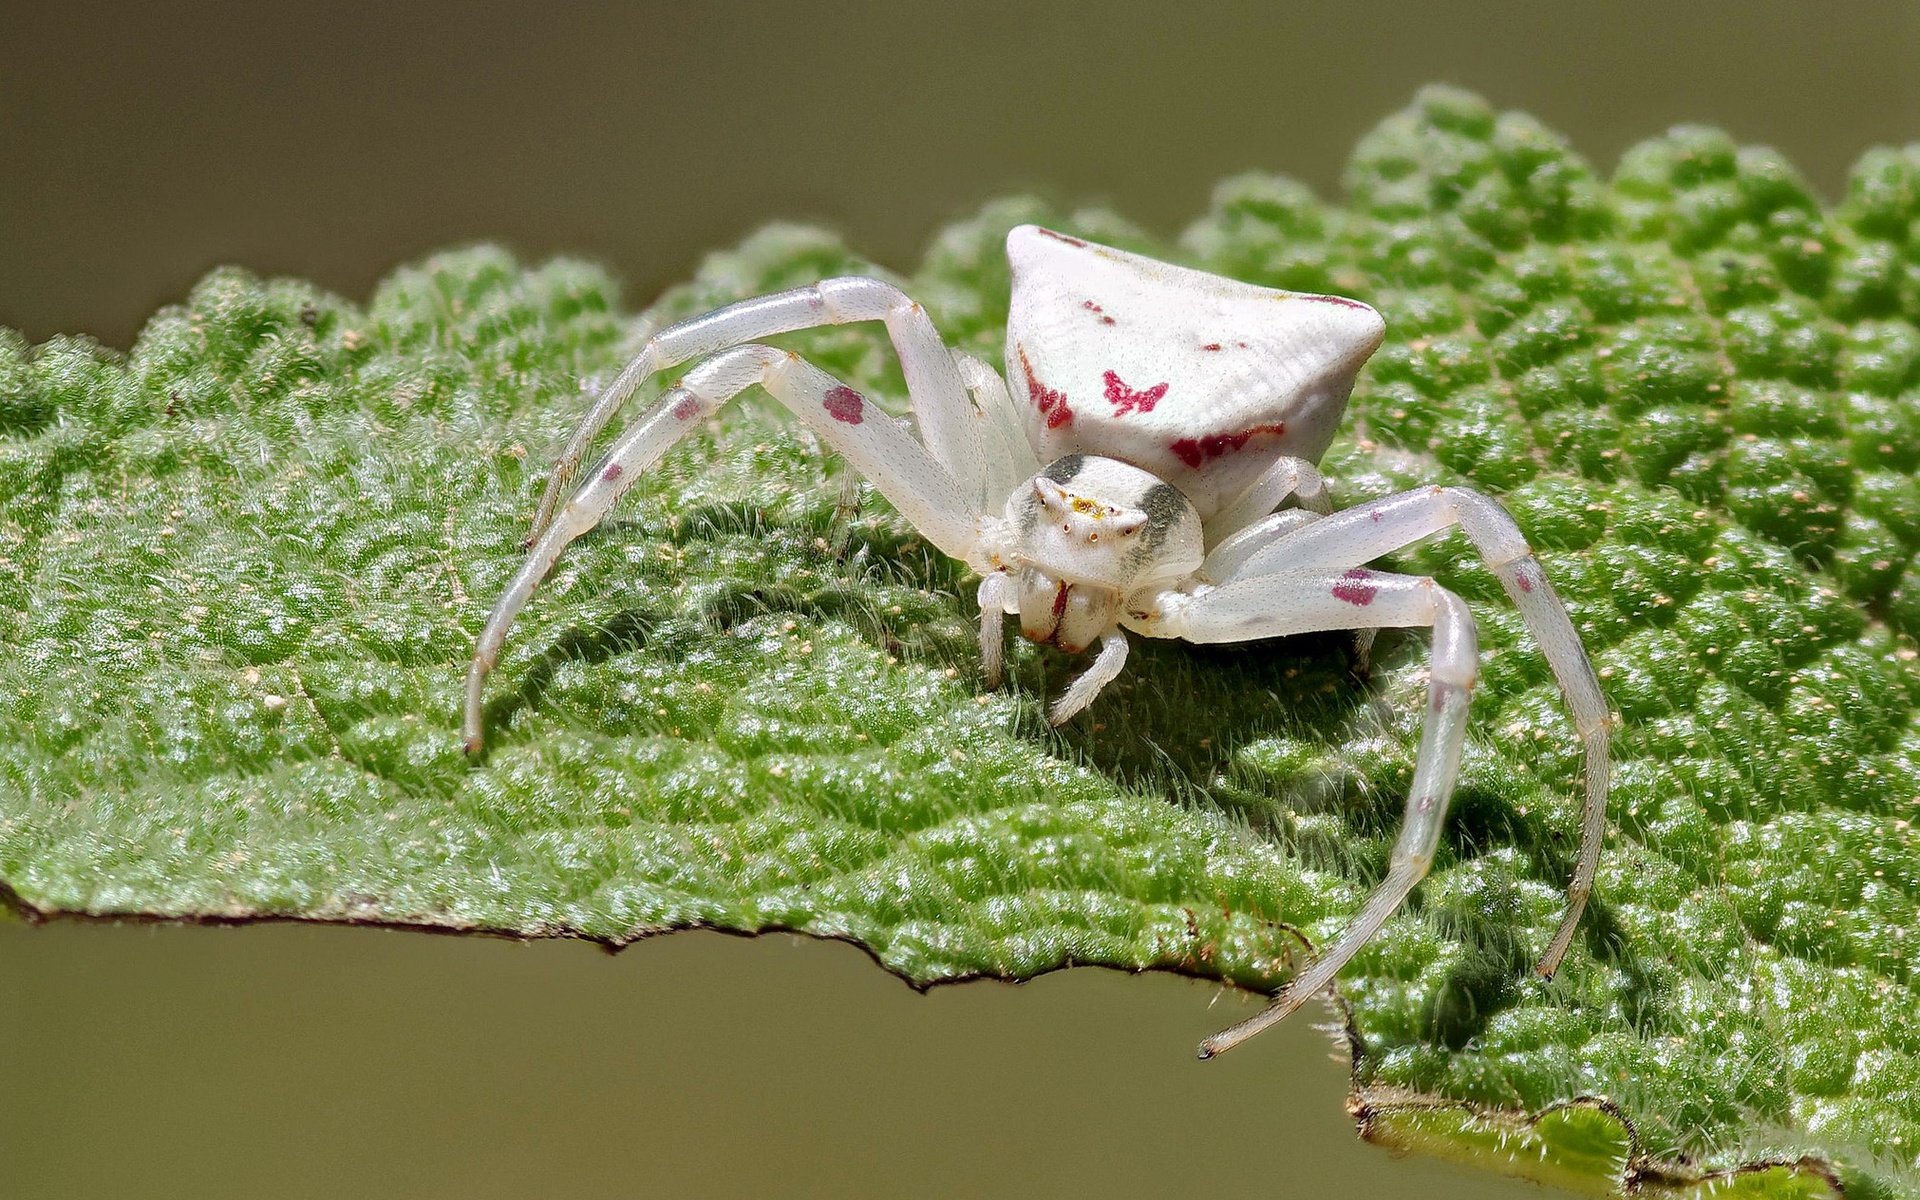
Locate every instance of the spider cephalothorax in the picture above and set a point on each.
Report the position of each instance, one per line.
(1131, 480)
(1088, 532)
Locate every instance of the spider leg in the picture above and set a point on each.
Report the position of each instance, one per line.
(1224, 562)
(1010, 462)
(1092, 681)
(1010, 457)
(997, 592)
(999, 596)
(1287, 476)
(1363, 533)
(946, 419)
(879, 446)
(1303, 602)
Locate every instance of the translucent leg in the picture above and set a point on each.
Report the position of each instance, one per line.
(1361, 534)
(997, 591)
(1286, 477)
(1298, 603)
(1081, 692)
(942, 410)
(1226, 561)
(877, 445)
(1010, 459)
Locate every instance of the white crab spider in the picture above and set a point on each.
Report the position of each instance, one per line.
(1167, 414)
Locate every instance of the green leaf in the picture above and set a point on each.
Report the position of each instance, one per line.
(241, 571)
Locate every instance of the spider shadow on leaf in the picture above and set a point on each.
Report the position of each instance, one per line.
(1178, 718)
(1284, 735)
(901, 595)
(625, 631)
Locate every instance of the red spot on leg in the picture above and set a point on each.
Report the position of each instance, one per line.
(845, 405)
(1125, 400)
(1051, 403)
(613, 472)
(1196, 452)
(1526, 584)
(686, 408)
(1354, 588)
(1374, 516)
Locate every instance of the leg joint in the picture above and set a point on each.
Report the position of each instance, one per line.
(852, 298)
(730, 372)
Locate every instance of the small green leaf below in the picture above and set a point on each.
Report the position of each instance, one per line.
(241, 570)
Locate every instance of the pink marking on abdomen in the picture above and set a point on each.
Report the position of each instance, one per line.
(1354, 588)
(1061, 237)
(1051, 403)
(1097, 311)
(1342, 301)
(613, 472)
(1211, 346)
(1125, 400)
(845, 405)
(686, 408)
(1197, 451)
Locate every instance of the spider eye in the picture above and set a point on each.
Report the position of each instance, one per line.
(1051, 494)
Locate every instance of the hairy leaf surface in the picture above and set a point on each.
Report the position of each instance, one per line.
(241, 570)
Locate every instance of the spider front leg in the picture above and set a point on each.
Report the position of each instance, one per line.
(1306, 602)
(879, 446)
(946, 421)
(996, 595)
(999, 598)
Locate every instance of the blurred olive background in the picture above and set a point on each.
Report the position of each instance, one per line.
(142, 145)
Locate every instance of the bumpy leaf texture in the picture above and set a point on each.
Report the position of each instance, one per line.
(241, 570)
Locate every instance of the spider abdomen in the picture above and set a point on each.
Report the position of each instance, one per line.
(1200, 380)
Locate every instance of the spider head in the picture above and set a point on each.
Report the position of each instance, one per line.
(1092, 531)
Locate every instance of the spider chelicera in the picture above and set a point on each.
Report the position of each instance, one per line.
(1162, 417)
